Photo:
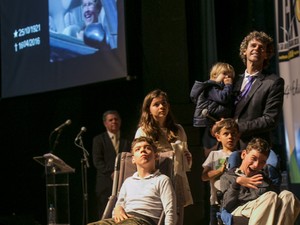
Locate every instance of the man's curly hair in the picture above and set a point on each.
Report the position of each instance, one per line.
(260, 36)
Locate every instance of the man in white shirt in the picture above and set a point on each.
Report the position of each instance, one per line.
(147, 193)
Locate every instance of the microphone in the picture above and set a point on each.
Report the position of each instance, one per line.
(206, 114)
(82, 130)
(67, 123)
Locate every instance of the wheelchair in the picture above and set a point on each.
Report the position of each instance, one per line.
(272, 170)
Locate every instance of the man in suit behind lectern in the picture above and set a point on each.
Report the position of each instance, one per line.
(105, 148)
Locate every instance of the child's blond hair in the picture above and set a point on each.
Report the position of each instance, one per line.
(221, 67)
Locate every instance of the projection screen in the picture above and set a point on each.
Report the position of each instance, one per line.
(49, 45)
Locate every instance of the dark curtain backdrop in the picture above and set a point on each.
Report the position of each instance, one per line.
(202, 38)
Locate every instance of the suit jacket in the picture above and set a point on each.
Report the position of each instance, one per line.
(259, 113)
(104, 156)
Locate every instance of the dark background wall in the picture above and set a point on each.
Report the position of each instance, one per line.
(169, 45)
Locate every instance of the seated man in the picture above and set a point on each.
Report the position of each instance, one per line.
(248, 193)
(146, 194)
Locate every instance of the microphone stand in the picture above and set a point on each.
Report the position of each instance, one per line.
(56, 139)
(55, 143)
(84, 166)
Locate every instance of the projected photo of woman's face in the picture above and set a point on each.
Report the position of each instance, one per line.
(63, 44)
(80, 27)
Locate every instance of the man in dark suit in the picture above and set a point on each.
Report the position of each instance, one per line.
(105, 148)
(257, 109)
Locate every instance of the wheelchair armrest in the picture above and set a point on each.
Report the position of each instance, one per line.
(109, 207)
